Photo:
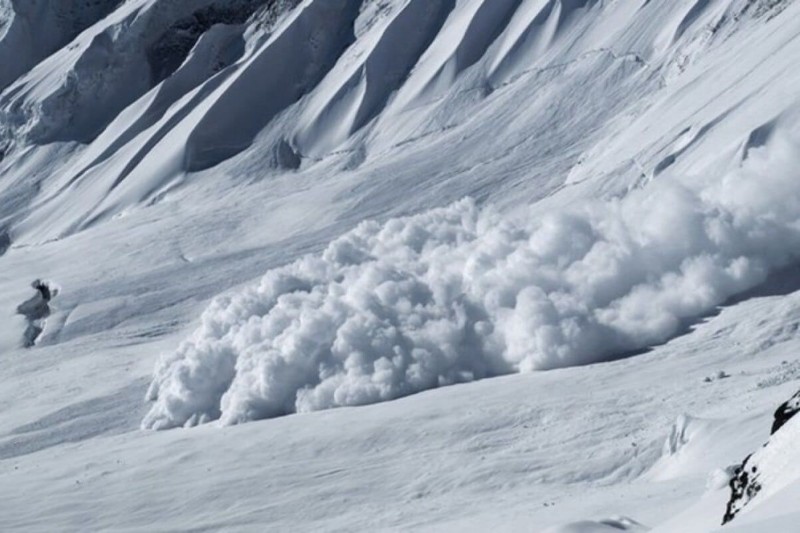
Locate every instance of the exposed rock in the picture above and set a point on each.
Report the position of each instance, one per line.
(169, 52)
(785, 412)
(749, 478)
(744, 486)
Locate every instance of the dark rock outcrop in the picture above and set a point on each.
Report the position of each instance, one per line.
(746, 482)
(169, 52)
(785, 412)
(744, 486)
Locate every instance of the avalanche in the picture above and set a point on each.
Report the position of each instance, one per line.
(457, 294)
(594, 203)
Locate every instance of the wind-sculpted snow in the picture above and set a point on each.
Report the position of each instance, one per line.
(150, 92)
(254, 97)
(459, 293)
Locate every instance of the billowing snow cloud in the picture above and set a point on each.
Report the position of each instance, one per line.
(457, 294)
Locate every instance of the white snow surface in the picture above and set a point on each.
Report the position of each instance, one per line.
(594, 203)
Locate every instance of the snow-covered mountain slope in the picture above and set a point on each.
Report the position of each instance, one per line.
(630, 166)
(127, 138)
(767, 471)
(763, 488)
(517, 453)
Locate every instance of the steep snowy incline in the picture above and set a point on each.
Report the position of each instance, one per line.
(628, 166)
(762, 491)
(362, 97)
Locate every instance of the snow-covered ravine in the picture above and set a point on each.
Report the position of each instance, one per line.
(554, 194)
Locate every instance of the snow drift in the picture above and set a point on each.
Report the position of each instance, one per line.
(609, 525)
(459, 293)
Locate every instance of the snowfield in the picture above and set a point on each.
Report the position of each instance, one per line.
(290, 206)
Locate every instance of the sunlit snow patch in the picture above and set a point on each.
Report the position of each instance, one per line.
(457, 294)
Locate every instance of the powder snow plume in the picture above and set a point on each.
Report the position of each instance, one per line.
(460, 293)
